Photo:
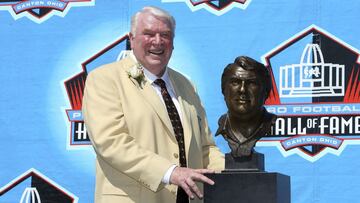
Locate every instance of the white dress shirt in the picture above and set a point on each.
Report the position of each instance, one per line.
(150, 77)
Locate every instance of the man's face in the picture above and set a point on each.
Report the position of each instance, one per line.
(152, 43)
(244, 93)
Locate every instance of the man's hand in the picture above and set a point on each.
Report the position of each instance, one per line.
(186, 178)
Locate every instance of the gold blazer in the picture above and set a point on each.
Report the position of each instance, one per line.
(133, 137)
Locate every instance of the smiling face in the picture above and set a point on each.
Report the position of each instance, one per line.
(153, 42)
(244, 92)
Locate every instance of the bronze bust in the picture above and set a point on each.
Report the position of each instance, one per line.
(245, 85)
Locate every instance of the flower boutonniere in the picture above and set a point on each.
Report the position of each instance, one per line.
(137, 73)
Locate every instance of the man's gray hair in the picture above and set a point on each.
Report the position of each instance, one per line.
(158, 12)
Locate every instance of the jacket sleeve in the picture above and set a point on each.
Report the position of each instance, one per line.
(212, 156)
(107, 128)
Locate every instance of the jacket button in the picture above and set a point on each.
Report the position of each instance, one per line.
(176, 155)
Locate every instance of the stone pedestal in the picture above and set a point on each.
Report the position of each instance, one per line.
(248, 187)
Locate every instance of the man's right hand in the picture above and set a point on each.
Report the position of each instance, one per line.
(186, 178)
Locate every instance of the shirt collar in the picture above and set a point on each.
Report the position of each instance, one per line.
(150, 77)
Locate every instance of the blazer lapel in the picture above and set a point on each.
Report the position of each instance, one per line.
(150, 95)
(153, 99)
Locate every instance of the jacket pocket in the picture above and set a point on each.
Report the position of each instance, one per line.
(126, 190)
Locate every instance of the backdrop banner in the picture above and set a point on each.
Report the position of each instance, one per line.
(311, 48)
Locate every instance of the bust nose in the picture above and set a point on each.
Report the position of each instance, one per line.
(242, 86)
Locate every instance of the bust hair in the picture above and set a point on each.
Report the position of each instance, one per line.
(249, 64)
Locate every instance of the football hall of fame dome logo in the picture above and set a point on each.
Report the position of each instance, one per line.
(33, 186)
(75, 85)
(41, 10)
(217, 7)
(316, 95)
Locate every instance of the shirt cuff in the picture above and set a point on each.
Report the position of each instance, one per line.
(166, 178)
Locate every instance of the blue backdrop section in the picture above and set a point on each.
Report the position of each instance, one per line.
(39, 56)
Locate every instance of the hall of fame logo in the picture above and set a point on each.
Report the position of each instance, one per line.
(41, 10)
(75, 85)
(316, 95)
(33, 186)
(217, 7)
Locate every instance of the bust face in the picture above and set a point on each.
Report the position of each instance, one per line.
(244, 92)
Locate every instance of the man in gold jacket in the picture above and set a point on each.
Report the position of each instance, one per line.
(130, 129)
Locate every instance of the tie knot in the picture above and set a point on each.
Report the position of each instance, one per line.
(160, 83)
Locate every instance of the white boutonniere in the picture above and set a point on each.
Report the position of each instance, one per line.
(137, 73)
